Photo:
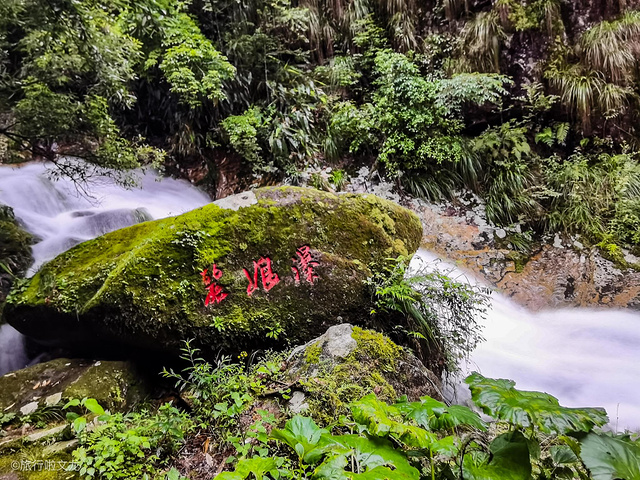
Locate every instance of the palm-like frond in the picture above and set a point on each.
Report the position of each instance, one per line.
(453, 8)
(403, 28)
(614, 99)
(550, 11)
(579, 90)
(606, 47)
(482, 38)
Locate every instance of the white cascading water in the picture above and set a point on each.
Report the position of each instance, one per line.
(584, 357)
(59, 217)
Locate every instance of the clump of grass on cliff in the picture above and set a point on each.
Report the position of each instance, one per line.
(437, 315)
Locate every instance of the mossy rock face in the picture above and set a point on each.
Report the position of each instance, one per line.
(142, 286)
(116, 386)
(35, 463)
(347, 363)
(15, 252)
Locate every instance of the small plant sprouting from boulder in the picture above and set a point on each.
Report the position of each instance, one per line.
(440, 314)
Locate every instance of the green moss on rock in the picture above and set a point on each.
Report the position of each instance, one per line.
(142, 287)
(33, 463)
(15, 252)
(115, 385)
(348, 362)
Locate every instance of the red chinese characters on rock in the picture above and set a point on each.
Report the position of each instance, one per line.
(264, 269)
(305, 265)
(215, 293)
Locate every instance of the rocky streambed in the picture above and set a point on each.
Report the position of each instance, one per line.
(554, 272)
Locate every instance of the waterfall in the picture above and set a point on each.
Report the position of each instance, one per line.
(60, 216)
(584, 357)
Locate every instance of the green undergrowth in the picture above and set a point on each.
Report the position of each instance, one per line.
(240, 411)
(527, 435)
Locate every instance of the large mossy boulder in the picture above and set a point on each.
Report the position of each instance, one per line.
(277, 272)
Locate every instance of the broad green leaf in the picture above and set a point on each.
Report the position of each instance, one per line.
(609, 458)
(376, 457)
(378, 473)
(562, 454)
(509, 460)
(72, 403)
(174, 474)
(332, 469)
(93, 406)
(500, 399)
(256, 467)
(71, 416)
(300, 433)
(433, 414)
(79, 424)
(229, 476)
(381, 420)
(447, 446)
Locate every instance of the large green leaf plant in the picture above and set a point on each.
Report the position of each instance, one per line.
(523, 436)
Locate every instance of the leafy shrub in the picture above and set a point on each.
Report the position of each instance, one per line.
(129, 445)
(441, 314)
(220, 393)
(597, 195)
(242, 133)
(338, 178)
(508, 179)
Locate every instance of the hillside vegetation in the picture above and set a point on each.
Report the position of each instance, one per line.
(533, 105)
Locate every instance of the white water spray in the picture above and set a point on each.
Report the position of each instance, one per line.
(59, 216)
(584, 357)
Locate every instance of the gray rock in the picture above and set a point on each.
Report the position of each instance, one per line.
(29, 408)
(557, 241)
(60, 447)
(336, 344)
(362, 358)
(46, 433)
(237, 201)
(115, 385)
(297, 402)
(54, 399)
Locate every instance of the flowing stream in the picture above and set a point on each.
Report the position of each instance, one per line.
(583, 357)
(60, 216)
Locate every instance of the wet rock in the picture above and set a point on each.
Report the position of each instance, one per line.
(347, 363)
(15, 252)
(115, 385)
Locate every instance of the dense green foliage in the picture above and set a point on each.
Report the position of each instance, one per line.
(436, 97)
(527, 435)
(438, 316)
(125, 446)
